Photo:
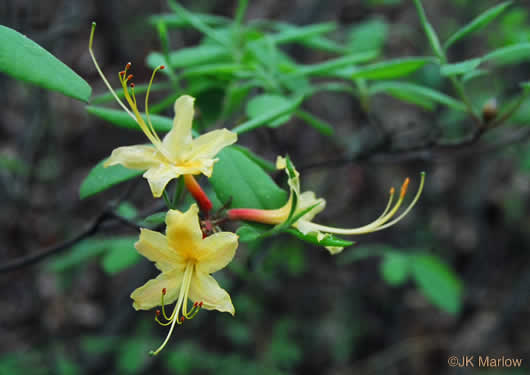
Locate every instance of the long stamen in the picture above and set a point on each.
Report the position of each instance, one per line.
(160, 67)
(100, 72)
(175, 319)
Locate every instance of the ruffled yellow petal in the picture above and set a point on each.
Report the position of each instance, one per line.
(134, 157)
(216, 251)
(176, 141)
(205, 289)
(149, 295)
(184, 232)
(208, 145)
(155, 247)
(159, 176)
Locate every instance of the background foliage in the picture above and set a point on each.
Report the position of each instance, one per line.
(360, 94)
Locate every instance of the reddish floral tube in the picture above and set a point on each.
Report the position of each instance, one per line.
(198, 194)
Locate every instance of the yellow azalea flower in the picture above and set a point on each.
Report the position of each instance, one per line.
(177, 154)
(308, 199)
(185, 260)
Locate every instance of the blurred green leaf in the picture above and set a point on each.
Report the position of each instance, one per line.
(65, 366)
(513, 54)
(98, 345)
(320, 125)
(434, 41)
(390, 68)
(237, 177)
(132, 357)
(23, 59)
(438, 282)
(191, 56)
(288, 107)
(328, 240)
(120, 255)
(261, 104)
(173, 20)
(477, 23)
(294, 34)
(367, 36)
(316, 42)
(127, 210)
(416, 94)
(395, 268)
(120, 118)
(101, 178)
(265, 164)
(220, 70)
(156, 219)
(463, 67)
(248, 233)
(332, 65)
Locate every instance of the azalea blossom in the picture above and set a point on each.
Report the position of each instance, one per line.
(185, 260)
(175, 155)
(308, 206)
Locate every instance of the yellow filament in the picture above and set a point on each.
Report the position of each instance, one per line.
(184, 290)
(379, 223)
(147, 101)
(100, 72)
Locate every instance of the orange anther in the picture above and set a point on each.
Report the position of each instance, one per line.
(122, 73)
(162, 67)
(182, 319)
(157, 312)
(132, 85)
(200, 304)
(392, 190)
(405, 186)
(164, 291)
(127, 66)
(129, 77)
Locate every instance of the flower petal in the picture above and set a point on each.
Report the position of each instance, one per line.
(205, 289)
(208, 145)
(149, 295)
(180, 135)
(308, 199)
(184, 232)
(159, 176)
(155, 247)
(216, 251)
(134, 157)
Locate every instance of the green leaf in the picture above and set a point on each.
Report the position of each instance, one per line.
(333, 65)
(173, 20)
(367, 36)
(220, 70)
(288, 107)
(120, 255)
(416, 94)
(261, 104)
(101, 178)
(320, 125)
(265, 164)
(328, 240)
(248, 233)
(477, 23)
(438, 282)
(463, 67)
(237, 177)
(434, 41)
(390, 68)
(156, 219)
(121, 119)
(316, 42)
(513, 54)
(23, 59)
(395, 268)
(190, 57)
(295, 34)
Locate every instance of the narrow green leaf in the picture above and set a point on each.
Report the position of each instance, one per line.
(248, 233)
(434, 41)
(317, 42)
(173, 20)
(416, 94)
(390, 68)
(463, 67)
(395, 268)
(23, 59)
(261, 104)
(221, 69)
(120, 255)
(120, 118)
(237, 177)
(320, 125)
(477, 23)
(328, 240)
(438, 282)
(156, 219)
(474, 74)
(513, 54)
(101, 178)
(191, 56)
(368, 36)
(265, 118)
(294, 34)
(334, 64)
